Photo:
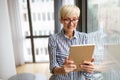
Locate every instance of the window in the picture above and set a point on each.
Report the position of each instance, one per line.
(25, 17)
(103, 29)
(37, 25)
(39, 16)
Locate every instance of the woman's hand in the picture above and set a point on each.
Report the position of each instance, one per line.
(88, 66)
(68, 65)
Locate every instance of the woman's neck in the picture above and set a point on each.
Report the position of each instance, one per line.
(69, 34)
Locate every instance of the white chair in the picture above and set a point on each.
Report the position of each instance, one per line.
(40, 77)
(23, 76)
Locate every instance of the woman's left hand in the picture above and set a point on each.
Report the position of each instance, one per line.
(88, 66)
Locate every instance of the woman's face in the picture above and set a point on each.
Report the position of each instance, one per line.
(69, 23)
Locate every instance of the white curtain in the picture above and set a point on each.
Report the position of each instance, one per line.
(17, 38)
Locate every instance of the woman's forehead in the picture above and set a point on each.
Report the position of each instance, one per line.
(71, 16)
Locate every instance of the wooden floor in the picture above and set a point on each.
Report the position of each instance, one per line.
(35, 68)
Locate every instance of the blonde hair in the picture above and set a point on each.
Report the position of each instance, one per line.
(68, 10)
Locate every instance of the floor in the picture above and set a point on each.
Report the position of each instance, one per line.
(35, 68)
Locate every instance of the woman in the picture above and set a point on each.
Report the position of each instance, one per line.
(60, 66)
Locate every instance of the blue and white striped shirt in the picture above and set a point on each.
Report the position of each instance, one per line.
(58, 47)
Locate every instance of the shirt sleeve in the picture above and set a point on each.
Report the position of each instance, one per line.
(83, 38)
(52, 52)
(88, 76)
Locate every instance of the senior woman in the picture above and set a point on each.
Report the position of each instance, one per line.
(61, 67)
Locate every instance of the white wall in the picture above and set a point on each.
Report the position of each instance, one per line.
(7, 62)
(16, 31)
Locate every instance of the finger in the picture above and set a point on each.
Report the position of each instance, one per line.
(72, 66)
(87, 63)
(87, 68)
(92, 60)
(90, 71)
(70, 62)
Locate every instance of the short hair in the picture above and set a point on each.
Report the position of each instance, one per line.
(68, 10)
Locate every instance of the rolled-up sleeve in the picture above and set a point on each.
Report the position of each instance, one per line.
(52, 52)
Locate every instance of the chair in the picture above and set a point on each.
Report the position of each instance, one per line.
(23, 76)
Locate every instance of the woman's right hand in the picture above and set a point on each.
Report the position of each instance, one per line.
(68, 66)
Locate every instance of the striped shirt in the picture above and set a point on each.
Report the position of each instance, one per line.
(58, 47)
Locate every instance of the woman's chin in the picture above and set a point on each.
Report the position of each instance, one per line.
(70, 30)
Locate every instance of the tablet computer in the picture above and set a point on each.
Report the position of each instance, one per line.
(80, 53)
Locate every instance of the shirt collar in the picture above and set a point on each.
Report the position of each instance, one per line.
(74, 36)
